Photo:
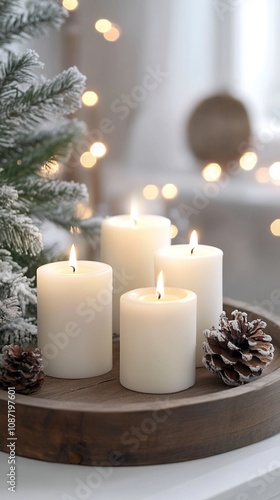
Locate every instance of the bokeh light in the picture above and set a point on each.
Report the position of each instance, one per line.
(169, 191)
(150, 192)
(83, 211)
(89, 98)
(113, 34)
(50, 169)
(248, 161)
(211, 172)
(98, 149)
(262, 175)
(87, 160)
(103, 25)
(275, 227)
(173, 231)
(274, 171)
(70, 4)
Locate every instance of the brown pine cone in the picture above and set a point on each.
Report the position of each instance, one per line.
(21, 368)
(237, 350)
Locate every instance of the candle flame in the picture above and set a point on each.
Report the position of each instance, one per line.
(134, 217)
(72, 259)
(160, 286)
(193, 241)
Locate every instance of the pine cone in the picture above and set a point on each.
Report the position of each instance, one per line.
(21, 368)
(237, 350)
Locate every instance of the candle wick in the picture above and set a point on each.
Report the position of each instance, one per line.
(158, 295)
(192, 250)
(74, 269)
(135, 222)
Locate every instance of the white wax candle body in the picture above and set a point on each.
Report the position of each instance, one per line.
(129, 248)
(200, 272)
(157, 340)
(75, 319)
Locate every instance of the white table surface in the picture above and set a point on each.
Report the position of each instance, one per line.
(250, 473)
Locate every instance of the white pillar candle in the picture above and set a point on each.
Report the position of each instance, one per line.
(157, 340)
(197, 268)
(128, 243)
(75, 318)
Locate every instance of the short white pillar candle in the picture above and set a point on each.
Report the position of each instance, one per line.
(198, 268)
(75, 318)
(157, 340)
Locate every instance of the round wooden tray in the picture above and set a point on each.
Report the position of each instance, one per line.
(98, 422)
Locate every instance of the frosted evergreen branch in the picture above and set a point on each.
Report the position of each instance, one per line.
(36, 190)
(7, 7)
(33, 22)
(16, 71)
(57, 97)
(39, 148)
(17, 230)
(17, 302)
(18, 233)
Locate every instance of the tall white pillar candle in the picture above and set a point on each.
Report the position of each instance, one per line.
(75, 318)
(197, 268)
(157, 340)
(128, 245)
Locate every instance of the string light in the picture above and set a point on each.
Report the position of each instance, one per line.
(173, 231)
(87, 160)
(248, 161)
(103, 25)
(98, 149)
(150, 192)
(83, 211)
(262, 175)
(274, 171)
(89, 98)
(70, 4)
(169, 191)
(275, 227)
(113, 34)
(211, 172)
(50, 169)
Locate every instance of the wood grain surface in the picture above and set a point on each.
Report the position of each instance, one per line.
(98, 422)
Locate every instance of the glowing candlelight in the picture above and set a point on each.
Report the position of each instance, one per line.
(160, 286)
(134, 216)
(73, 259)
(193, 241)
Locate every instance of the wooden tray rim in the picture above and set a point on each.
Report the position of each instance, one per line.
(232, 392)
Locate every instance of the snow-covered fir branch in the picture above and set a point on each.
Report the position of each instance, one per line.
(23, 21)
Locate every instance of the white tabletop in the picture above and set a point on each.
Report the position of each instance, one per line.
(248, 473)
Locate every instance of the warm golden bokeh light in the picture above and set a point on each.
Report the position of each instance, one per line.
(211, 172)
(50, 169)
(87, 160)
(248, 161)
(262, 175)
(103, 25)
(169, 191)
(89, 98)
(83, 211)
(274, 171)
(70, 4)
(275, 227)
(173, 231)
(98, 149)
(150, 192)
(113, 34)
